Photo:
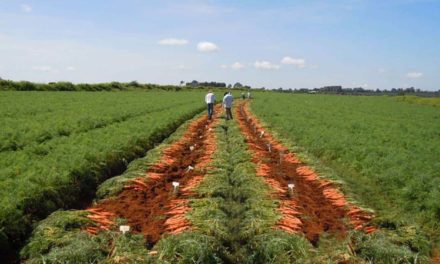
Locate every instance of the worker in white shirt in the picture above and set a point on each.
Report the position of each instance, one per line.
(210, 101)
(227, 103)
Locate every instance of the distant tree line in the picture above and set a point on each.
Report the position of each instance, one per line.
(196, 84)
(68, 86)
(361, 91)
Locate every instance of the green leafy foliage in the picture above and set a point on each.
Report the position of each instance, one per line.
(189, 247)
(60, 239)
(279, 247)
(390, 247)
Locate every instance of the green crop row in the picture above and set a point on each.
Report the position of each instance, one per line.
(386, 151)
(63, 172)
(33, 118)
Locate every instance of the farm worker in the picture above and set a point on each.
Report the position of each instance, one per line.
(227, 103)
(242, 95)
(224, 108)
(248, 95)
(210, 100)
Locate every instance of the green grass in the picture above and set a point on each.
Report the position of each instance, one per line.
(385, 152)
(102, 132)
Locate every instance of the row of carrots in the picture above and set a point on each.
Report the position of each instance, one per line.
(290, 222)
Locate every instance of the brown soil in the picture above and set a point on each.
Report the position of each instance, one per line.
(148, 203)
(314, 205)
(435, 256)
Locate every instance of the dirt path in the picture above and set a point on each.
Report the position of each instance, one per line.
(148, 203)
(311, 205)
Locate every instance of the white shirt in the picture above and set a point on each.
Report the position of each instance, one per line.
(227, 100)
(210, 98)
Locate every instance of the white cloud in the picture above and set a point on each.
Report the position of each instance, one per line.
(47, 69)
(414, 75)
(26, 8)
(70, 68)
(237, 66)
(207, 47)
(381, 70)
(266, 65)
(300, 63)
(173, 42)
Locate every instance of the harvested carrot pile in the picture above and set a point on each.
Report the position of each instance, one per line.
(308, 204)
(152, 204)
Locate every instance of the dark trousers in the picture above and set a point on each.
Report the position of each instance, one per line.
(210, 110)
(228, 113)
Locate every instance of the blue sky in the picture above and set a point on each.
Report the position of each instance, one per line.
(289, 44)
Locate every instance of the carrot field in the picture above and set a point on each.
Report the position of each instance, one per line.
(56, 147)
(386, 150)
(145, 177)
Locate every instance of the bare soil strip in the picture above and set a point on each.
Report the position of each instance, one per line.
(311, 205)
(148, 203)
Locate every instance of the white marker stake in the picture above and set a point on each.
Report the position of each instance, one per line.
(175, 187)
(262, 134)
(290, 187)
(269, 147)
(189, 168)
(191, 148)
(124, 228)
